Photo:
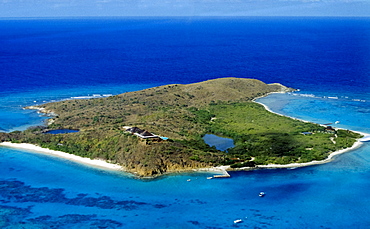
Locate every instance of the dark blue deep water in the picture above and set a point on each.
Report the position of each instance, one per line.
(43, 60)
(298, 52)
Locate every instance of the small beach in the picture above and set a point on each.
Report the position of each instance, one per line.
(329, 159)
(331, 156)
(356, 145)
(82, 160)
(109, 166)
(52, 59)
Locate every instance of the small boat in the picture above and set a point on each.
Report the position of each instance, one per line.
(238, 221)
(188, 180)
(208, 178)
(262, 194)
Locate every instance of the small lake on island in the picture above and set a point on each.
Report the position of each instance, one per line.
(61, 131)
(219, 142)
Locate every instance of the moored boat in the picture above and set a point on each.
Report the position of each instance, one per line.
(238, 221)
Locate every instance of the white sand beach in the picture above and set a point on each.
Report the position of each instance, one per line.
(221, 169)
(224, 169)
(329, 159)
(357, 144)
(86, 161)
(366, 135)
(268, 109)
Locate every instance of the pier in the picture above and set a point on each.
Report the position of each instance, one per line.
(225, 175)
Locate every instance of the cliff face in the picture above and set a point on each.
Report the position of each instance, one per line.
(166, 157)
(175, 111)
(161, 165)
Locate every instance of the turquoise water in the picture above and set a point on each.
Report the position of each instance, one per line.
(293, 197)
(39, 191)
(50, 60)
(14, 117)
(342, 112)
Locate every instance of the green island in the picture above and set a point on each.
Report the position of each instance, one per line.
(181, 115)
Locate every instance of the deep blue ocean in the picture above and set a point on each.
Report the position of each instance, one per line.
(43, 60)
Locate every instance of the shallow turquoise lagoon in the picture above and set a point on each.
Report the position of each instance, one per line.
(340, 112)
(47, 60)
(39, 191)
(46, 191)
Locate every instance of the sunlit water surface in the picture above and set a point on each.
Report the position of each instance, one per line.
(50, 60)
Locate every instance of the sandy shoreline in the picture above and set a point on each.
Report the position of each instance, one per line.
(330, 158)
(83, 160)
(223, 169)
(268, 109)
(220, 169)
(356, 145)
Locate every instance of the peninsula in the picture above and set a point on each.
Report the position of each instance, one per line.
(159, 130)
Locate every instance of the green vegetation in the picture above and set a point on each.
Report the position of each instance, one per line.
(184, 113)
(271, 138)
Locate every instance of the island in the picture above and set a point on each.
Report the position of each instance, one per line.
(160, 130)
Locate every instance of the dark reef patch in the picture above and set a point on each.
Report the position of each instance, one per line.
(17, 191)
(14, 191)
(13, 217)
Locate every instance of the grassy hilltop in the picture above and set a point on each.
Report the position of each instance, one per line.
(184, 113)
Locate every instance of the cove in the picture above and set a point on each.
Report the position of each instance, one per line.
(219, 142)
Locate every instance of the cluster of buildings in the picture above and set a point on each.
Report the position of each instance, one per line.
(328, 129)
(145, 135)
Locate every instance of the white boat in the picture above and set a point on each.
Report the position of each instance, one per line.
(238, 221)
(262, 194)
